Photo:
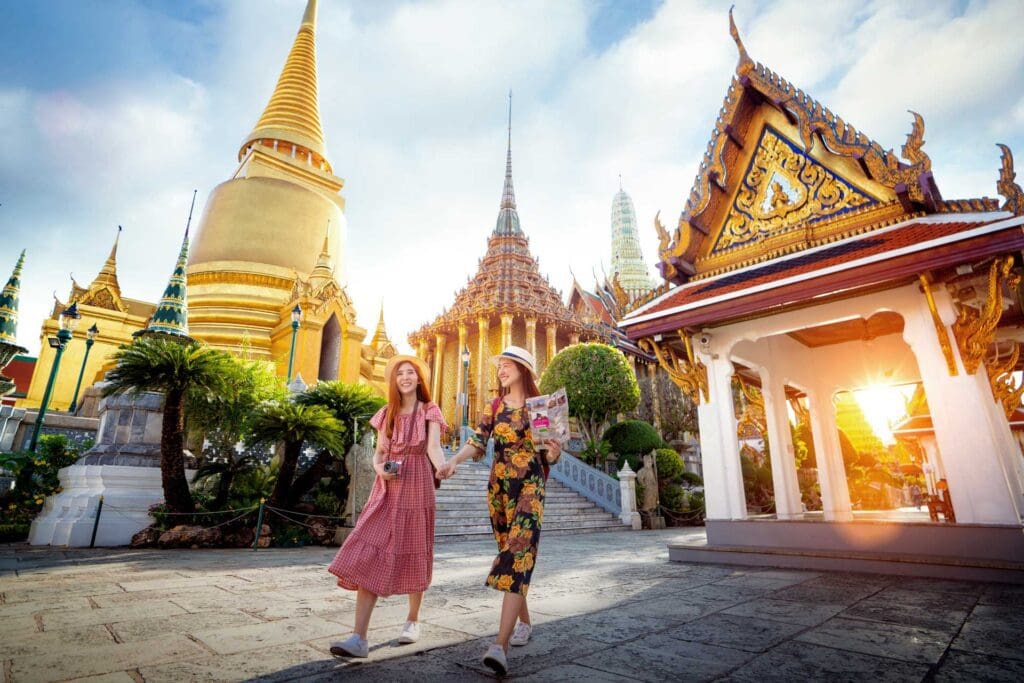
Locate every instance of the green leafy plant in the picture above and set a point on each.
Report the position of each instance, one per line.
(598, 383)
(633, 437)
(670, 465)
(690, 478)
(175, 368)
(35, 477)
(595, 452)
(294, 425)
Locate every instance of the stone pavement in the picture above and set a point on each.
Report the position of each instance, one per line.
(606, 607)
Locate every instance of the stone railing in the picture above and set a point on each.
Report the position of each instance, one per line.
(607, 492)
(589, 482)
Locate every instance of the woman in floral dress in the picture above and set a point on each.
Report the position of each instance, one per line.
(515, 494)
(391, 550)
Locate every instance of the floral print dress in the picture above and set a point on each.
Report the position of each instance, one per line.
(515, 494)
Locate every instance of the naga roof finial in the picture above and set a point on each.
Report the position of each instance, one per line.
(1006, 186)
(746, 63)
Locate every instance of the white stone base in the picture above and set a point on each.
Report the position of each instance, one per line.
(67, 519)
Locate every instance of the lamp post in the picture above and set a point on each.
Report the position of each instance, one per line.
(68, 318)
(90, 339)
(465, 393)
(296, 318)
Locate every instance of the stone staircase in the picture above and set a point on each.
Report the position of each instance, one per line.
(462, 508)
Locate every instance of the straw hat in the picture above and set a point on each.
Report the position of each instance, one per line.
(395, 361)
(519, 355)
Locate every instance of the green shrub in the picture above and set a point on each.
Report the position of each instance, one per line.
(670, 465)
(13, 533)
(691, 478)
(633, 437)
(673, 498)
(596, 452)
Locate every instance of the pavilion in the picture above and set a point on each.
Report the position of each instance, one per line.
(810, 260)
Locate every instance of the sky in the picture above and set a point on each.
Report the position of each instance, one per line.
(114, 110)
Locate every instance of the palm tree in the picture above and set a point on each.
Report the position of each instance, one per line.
(222, 419)
(173, 368)
(353, 405)
(294, 425)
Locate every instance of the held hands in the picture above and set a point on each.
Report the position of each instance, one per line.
(447, 470)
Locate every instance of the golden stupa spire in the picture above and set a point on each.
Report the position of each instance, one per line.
(380, 336)
(108, 273)
(323, 271)
(292, 116)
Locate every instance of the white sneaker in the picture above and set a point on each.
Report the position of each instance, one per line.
(410, 633)
(496, 659)
(521, 636)
(354, 646)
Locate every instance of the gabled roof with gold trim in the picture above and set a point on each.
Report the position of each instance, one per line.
(782, 173)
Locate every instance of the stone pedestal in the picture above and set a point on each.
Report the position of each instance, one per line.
(123, 467)
(359, 463)
(627, 483)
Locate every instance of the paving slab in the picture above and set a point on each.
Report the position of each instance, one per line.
(792, 661)
(606, 606)
(967, 666)
(897, 641)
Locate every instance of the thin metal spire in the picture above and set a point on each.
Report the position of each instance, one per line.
(508, 195)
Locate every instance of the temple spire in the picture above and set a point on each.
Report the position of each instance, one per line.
(108, 273)
(508, 217)
(171, 315)
(323, 271)
(380, 336)
(508, 195)
(9, 306)
(292, 116)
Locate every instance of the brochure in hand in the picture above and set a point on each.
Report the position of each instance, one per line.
(549, 418)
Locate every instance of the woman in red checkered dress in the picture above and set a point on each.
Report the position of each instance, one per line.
(391, 550)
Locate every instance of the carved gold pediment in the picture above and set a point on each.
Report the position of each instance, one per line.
(784, 189)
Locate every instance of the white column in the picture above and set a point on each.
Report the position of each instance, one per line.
(788, 504)
(724, 496)
(982, 464)
(627, 485)
(835, 493)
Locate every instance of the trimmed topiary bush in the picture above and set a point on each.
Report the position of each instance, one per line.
(673, 498)
(633, 437)
(670, 465)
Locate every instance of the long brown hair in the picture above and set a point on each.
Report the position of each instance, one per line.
(395, 396)
(530, 389)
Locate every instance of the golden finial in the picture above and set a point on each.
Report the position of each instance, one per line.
(1006, 185)
(746, 63)
(913, 148)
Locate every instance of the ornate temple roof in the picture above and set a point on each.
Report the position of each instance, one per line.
(765, 177)
(508, 279)
(792, 204)
(9, 306)
(293, 113)
(381, 344)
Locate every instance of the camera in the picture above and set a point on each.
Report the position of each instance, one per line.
(704, 341)
(391, 467)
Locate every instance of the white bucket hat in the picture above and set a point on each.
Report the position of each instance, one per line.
(519, 355)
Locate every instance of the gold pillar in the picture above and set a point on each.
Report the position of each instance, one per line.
(481, 361)
(506, 330)
(551, 332)
(461, 384)
(423, 350)
(652, 372)
(437, 383)
(531, 336)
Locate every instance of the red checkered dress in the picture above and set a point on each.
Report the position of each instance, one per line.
(391, 550)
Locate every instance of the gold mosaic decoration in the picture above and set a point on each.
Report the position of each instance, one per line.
(1005, 388)
(753, 416)
(690, 375)
(975, 329)
(940, 329)
(784, 188)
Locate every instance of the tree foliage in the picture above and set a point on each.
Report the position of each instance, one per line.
(176, 368)
(294, 425)
(598, 382)
(633, 437)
